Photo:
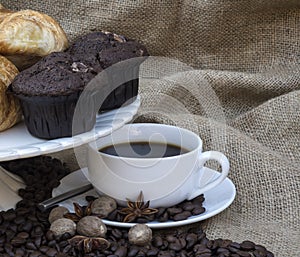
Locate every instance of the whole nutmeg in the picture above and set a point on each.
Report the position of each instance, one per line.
(91, 226)
(63, 225)
(140, 234)
(103, 206)
(57, 213)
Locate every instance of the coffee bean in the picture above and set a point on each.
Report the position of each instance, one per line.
(133, 250)
(157, 241)
(174, 210)
(232, 249)
(26, 226)
(19, 220)
(247, 245)
(191, 239)
(18, 241)
(38, 231)
(9, 235)
(2, 239)
(160, 212)
(182, 216)
(51, 252)
(63, 244)
(67, 248)
(31, 246)
(235, 245)
(243, 254)
(9, 249)
(116, 233)
(225, 243)
(217, 243)
(176, 246)
(182, 242)
(65, 236)
(24, 235)
(258, 254)
(13, 227)
(44, 249)
(204, 255)
(32, 218)
(38, 241)
(210, 244)
(35, 254)
(153, 251)
(223, 251)
(90, 198)
(200, 248)
(9, 215)
(164, 217)
(188, 206)
(50, 235)
(141, 254)
(21, 211)
(164, 254)
(170, 238)
(114, 246)
(261, 248)
(20, 252)
(198, 210)
(142, 220)
(198, 200)
(204, 241)
(121, 251)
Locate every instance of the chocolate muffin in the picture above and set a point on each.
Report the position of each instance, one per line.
(49, 91)
(101, 50)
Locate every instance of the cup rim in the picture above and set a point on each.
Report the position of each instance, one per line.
(95, 147)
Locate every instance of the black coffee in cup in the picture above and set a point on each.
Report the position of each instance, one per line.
(143, 150)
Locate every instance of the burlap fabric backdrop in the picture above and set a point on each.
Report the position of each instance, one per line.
(242, 98)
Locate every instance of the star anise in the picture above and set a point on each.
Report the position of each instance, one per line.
(88, 244)
(80, 212)
(137, 209)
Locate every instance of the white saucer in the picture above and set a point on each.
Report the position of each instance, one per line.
(216, 199)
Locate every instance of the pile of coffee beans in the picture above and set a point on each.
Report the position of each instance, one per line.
(40, 174)
(181, 211)
(24, 231)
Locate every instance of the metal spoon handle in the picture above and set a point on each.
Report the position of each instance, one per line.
(59, 198)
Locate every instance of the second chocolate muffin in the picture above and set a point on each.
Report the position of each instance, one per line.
(101, 50)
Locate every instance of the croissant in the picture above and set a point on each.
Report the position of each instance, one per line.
(26, 36)
(10, 110)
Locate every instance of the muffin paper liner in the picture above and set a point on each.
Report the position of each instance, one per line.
(126, 92)
(51, 117)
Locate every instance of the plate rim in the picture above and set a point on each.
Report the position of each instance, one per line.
(55, 145)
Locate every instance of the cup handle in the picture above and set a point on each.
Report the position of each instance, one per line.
(220, 158)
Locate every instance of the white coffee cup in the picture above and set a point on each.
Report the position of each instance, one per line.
(164, 181)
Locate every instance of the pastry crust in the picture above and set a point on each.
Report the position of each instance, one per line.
(10, 110)
(29, 34)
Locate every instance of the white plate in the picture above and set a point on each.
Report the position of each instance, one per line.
(17, 142)
(216, 199)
